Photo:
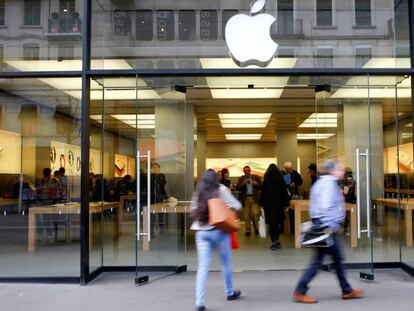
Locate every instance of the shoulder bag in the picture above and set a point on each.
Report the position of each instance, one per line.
(222, 217)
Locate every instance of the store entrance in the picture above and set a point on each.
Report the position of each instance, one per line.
(162, 133)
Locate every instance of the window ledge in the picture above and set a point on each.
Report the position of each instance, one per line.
(325, 27)
(3, 26)
(364, 27)
(31, 26)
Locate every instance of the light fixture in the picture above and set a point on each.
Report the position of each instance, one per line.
(243, 136)
(316, 120)
(237, 87)
(314, 136)
(244, 120)
(145, 121)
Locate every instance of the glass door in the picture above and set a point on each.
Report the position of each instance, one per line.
(354, 116)
(160, 122)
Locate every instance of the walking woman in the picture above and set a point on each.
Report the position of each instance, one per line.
(274, 199)
(209, 238)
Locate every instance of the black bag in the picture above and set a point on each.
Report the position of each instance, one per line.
(316, 234)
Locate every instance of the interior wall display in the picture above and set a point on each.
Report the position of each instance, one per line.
(235, 165)
(10, 154)
(404, 161)
(52, 154)
(69, 157)
(121, 164)
(124, 165)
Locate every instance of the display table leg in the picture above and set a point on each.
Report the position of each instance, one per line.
(298, 220)
(32, 232)
(145, 242)
(354, 237)
(408, 214)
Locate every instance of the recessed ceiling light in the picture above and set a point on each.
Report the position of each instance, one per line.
(314, 136)
(243, 136)
(244, 120)
(321, 120)
(145, 121)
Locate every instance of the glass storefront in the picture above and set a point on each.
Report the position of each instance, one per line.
(153, 130)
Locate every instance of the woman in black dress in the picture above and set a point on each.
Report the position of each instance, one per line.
(274, 199)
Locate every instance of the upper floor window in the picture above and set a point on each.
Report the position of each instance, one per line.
(324, 13)
(2, 12)
(31, 51)
(32, 12)
(324, 57)
(363, 12)
(187, 25)
(144, 25)
(165, 25)
(208, 25)
(285, 16)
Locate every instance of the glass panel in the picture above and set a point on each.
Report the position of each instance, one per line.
(41, 35)
(40, 156)
(161, 123)
(130, 35)
(405, 169)
(343, 133)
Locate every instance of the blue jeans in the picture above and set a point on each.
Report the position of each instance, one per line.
(335, 252)
(206, 242)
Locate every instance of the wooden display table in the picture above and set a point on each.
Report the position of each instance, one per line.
(67, 209)
(407, 206)
(6, 202)
(303, 205)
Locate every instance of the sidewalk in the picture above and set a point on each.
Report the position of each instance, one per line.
(264, 290)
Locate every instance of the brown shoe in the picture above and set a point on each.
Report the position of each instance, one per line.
(356, 293)
(302, 298)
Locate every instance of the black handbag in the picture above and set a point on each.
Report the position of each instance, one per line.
(316, 234)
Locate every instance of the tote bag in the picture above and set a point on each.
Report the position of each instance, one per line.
(262, 225)
(221, 217)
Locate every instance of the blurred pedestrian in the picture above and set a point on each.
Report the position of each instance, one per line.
(209, 238)
(327, 207)
(274, 199)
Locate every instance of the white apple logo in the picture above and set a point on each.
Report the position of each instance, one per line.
(248, 37)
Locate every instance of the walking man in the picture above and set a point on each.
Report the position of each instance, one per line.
(249, 186)
(327, 207)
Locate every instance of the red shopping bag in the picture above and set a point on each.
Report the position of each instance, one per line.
(234, 241)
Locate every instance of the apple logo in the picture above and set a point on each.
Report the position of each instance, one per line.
(248, 37)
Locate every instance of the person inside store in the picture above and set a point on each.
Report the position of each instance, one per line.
(56, 187)
(348, 189)
(274, 199)
(313, 173)
(225, 179)
(327, 208)
(64, 184)
(46, 196)
(124, 187)
(100, 188)
(209, 238)
(219, 175)
(293, 181)
(249, 187)
(158, 183)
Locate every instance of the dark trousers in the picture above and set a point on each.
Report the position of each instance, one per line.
(274, 232)
(335, 252)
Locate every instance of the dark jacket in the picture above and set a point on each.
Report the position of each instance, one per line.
(158, 192)
(297, 181)
(243, 188)
(274, 199)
